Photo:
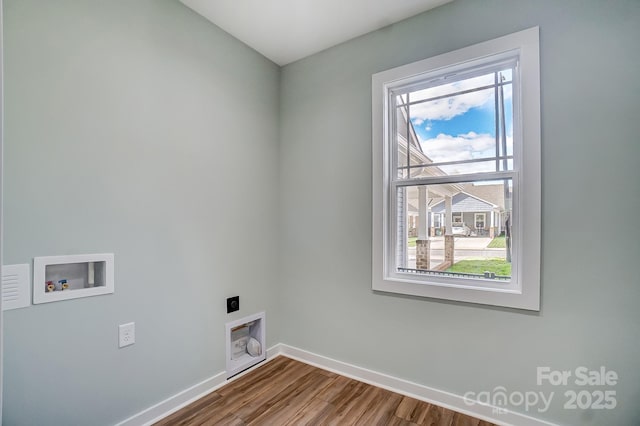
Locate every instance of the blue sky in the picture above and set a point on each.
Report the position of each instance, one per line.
(461, 127)
(478, 120)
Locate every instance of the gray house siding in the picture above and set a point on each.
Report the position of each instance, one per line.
(464, 203)
(468, 206)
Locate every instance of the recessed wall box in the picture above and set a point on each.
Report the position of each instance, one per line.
(69, 277)
(238, 334)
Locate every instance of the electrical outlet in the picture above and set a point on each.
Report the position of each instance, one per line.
(233, 304)
(127, 334)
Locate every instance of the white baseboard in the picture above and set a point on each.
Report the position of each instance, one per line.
(404, 387)
(172, 404)
(438, 397)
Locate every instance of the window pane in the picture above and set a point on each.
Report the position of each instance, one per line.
(409, 149)
(401, 143)
(460, 229)
(461, 85)
(453, 88)
(457, 131)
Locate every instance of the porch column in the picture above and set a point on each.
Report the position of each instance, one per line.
(432, 230)
(448, 235)
(492, 230)
(422, 243)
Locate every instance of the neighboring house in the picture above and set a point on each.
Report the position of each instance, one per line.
(479, 207)
(481, 216)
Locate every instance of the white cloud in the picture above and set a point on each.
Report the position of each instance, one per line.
(447, 108)
(417, 121)
(462, 147)
(446, 148)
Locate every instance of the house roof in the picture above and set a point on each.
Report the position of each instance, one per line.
(463, 203)
(493, 194)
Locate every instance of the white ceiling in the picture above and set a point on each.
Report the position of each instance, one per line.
(287, 30)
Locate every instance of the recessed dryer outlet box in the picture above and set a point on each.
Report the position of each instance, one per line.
(237, 337)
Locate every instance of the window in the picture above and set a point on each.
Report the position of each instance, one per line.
(456, 137)
(437, 222)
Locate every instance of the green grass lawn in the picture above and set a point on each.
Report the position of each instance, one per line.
(479, 266)
(412, 241)
(497, 242)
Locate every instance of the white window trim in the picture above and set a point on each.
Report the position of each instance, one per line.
(525, 293)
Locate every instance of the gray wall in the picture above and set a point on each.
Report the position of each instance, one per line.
(138, 128)
(590, 128)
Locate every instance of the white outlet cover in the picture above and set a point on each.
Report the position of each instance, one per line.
(127, 334)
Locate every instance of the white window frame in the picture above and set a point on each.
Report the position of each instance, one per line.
(484, 220)
(437, 219)
(523, 291)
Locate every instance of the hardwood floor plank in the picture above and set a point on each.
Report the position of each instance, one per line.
(249, 399)
(188, 414)
(284, 409)
(381, 408)
(348, 411)
(281, 388)
(436, 416)
(405, 408)
(464, 420)
(314, 413)
(285, 392)
(397, 421)
(328, 373)
(337, 387)
(421, 412)
(353, 390)
(228, 420)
